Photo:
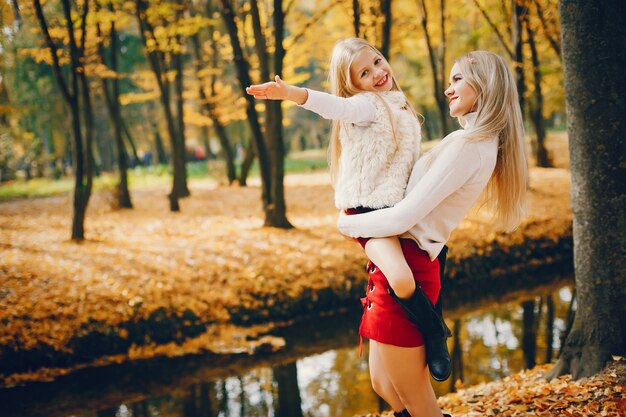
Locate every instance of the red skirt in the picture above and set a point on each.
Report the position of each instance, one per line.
(383, 319)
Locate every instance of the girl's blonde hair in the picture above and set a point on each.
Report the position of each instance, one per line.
(499, 114)
(341, 85)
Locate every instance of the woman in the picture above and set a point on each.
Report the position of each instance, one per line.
(487, 154)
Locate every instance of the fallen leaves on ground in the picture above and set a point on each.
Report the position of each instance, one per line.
(213, 263)
(528, 393)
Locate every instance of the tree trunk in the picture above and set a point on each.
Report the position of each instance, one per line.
(529, 334)
(209, 105)
(276, 209)
(243, 75)
(87, 108)
(16, 13)
(385, 9)
(549, 328)
(519, 15)
(161, 154)
(111, 95)
(246, 164)
(206, 410)
(457, 355)
(180, 159)
(189, 403)
(82, 173)
(356, 13)
(269, 149)
(536, 108)
(48, 150)
(123, 194)
(289, 402)
(553, 40)
(436, 69)
(131, 142)
(220, 130)
(156, 59)
(569, 320)
(594, 56)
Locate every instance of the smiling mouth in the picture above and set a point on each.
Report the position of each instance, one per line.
(451, 100)
(383, 81)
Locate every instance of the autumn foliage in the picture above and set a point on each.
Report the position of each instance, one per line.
(150, 283)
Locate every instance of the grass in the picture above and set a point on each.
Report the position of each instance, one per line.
(151, 176)
(159, 175)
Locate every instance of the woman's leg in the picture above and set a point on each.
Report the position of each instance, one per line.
(386, 253)
(380, 382)
(406, 370)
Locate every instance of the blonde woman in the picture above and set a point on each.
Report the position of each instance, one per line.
(374, 145)
(487, 154)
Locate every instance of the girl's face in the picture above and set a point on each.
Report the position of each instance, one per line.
(371, 72)
(462, 96)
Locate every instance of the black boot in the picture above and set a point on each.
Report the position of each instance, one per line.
(422, 312)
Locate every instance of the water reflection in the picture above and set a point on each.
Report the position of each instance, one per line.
(323, 376)
(505, 339)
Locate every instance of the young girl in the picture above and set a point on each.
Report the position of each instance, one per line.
(445, 183)
(374, 145)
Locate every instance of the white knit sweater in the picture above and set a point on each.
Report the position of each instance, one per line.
(438, 195)
(373, 168)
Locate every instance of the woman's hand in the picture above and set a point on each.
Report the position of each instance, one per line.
(278, 90)
(346, 237)
(342, 214)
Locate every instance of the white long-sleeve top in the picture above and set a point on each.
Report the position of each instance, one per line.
(374, 167)
(438, 194)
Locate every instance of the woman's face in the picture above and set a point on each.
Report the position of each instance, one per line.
(461, 95)
(371, 72)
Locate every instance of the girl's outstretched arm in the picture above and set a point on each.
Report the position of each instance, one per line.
(356, 109)
(278, 90)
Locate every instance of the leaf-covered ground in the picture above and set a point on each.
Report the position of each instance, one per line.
(149, 282)
(527, 393)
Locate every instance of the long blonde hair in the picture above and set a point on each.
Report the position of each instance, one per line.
(341, 85)
(499, 115)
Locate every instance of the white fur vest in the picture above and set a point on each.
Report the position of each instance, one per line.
(373, 167)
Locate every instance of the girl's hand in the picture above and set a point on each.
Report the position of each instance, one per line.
(278, 90)
(273, 90)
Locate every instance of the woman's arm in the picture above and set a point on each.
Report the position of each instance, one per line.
(357, 109)
(452, 168)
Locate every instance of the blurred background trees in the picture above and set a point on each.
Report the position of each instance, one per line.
(166, 81)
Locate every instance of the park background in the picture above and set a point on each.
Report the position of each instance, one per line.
(169, 245)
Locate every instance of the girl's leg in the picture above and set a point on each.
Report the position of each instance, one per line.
(407, 372)
(380, 382)
(386, 253)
